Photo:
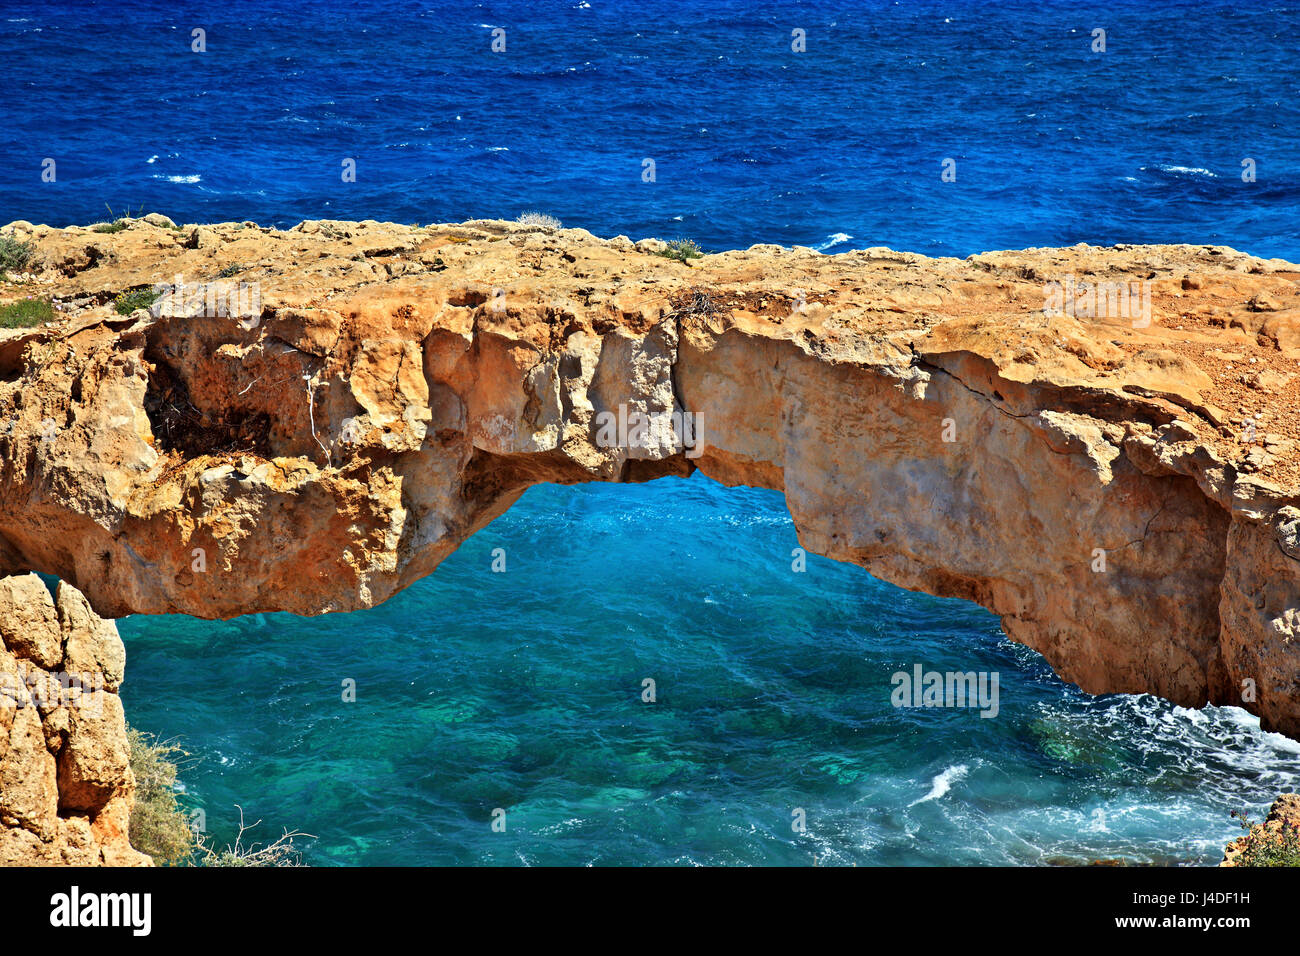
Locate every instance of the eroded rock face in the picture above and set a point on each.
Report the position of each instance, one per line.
(1116, 478)
(66, 787)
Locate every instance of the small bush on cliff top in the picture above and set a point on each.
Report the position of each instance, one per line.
(682, 250)
(115, 222)
(532, 218)
(1269, 844)
(158, 823)
(15, 253)
(26, 313)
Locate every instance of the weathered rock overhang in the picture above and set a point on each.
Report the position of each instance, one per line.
(1102, 482)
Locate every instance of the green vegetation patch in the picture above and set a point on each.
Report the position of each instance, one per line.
(26, 313)
(141, 298)
(15, 253)
(683, 250)
(159, 826)
(1269, 844)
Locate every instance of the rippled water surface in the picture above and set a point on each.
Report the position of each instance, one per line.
(523, 691)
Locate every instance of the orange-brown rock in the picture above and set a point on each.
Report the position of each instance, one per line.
(1115, 476)
(66, 786)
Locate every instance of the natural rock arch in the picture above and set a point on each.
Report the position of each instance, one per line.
(925, 419)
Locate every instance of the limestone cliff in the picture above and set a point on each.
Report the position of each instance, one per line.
(65, 778)
(1114, 475)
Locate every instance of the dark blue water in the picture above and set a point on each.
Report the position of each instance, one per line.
(1054, 144)
(522, 690)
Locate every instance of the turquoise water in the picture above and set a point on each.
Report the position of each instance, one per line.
(522, 691)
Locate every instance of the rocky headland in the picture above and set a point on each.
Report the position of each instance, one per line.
(1097, 444)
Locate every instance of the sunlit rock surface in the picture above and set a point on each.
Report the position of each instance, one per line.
(1114, 474)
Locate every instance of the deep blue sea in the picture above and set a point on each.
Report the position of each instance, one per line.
(522, 690)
